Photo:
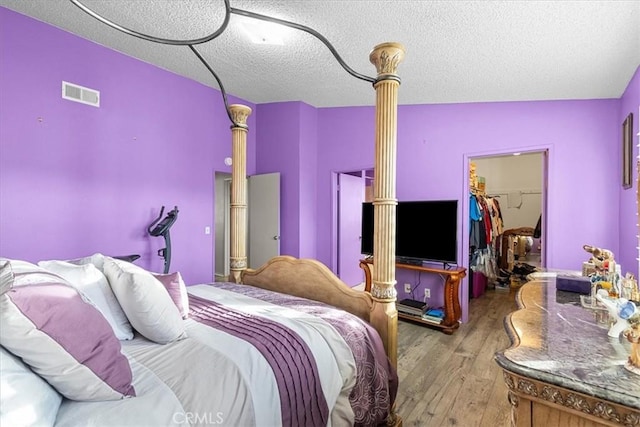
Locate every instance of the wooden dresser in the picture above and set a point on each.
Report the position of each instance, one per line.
(562, 369)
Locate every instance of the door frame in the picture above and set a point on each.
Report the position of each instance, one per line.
(547, 159)
(225, 199)
(335, 214)
(351, 194)
(227, 226)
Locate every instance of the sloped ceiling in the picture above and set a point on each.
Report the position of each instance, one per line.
(456, 51)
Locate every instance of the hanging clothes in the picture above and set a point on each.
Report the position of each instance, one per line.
(485, 219)
(475, 216)
(477, 238)
(496, 216)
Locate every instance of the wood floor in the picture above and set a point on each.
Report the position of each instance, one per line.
(452, 379)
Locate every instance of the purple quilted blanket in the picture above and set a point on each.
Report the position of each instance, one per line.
(376, 382)
(301, 399)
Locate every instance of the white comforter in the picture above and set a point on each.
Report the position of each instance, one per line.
(214, 378)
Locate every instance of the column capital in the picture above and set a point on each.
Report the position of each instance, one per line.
(240, 113)
(386, 57)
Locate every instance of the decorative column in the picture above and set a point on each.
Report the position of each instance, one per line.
(385, 57)
(240, 114)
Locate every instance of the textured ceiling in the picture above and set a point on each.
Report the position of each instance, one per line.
(457, 51)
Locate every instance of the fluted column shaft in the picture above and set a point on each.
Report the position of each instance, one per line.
(238, 262)
(386, 58)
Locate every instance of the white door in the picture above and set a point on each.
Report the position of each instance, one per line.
(350, 198)
(264, 218)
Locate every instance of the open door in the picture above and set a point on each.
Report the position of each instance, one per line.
(263, 221)
(350, 198)
(264, 218)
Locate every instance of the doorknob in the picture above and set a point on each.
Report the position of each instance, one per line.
(276, 237)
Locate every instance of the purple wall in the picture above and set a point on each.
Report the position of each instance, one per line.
(278, 150)
(435, 142)
(308, 180)
(158, 139)
(627, 254)
(345, 143)
(88, 179)
(286, 143)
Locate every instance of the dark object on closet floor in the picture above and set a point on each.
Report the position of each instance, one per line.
(523, 269)
(537, 232)
(504, 273)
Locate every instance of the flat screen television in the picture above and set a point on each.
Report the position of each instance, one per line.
(425, 231)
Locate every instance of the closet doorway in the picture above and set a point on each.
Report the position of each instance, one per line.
(351, 190)
(518, 182)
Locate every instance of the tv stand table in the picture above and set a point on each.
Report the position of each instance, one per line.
(452, 311)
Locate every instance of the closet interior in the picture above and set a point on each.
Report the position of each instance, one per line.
(505, 220)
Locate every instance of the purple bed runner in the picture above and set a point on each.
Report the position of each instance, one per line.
(376, 381)
(302, 401)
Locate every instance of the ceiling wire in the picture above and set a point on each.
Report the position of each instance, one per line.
(227, 13)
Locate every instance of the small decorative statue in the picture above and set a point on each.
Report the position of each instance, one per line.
(632, 334)
(600, 258)
(630, 288)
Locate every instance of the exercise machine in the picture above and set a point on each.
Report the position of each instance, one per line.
(161, 228)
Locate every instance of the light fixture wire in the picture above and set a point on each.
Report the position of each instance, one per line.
(227, 13)
(224, 93)
(309, 30)
(175, 42)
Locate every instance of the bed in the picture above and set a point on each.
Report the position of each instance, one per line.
(194, 370)
(121, 346)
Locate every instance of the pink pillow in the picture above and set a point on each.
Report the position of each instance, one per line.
(174, 284)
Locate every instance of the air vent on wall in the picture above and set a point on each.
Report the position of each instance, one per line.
(82, 94)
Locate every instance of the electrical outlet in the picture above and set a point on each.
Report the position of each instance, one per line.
(407, 288)
(427, 293)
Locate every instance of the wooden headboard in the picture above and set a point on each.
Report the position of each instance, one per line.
(308, 278)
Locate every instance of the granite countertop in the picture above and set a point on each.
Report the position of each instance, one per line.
(555, 340)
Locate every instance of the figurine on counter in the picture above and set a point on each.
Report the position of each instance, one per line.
(600, 258)
(632, 334)
(630, 288)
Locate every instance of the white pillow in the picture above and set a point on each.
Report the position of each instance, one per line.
(145, 301)
(96, 259)
(6, 275)
(25, 273)
(94, 285)
(25, 398)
